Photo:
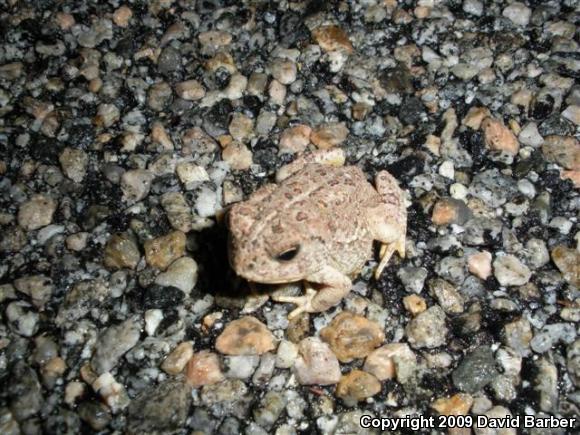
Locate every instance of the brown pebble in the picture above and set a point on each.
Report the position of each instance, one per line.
(295, 139)
(178, 358)
(356, 386)
(498, 137)
(568, 262)
(351, 336)
(329, 135)
(204, 369)
(162, 251)
(382, 362)
(414, 304)
(121, 251)
(459, 404)
(331, 38)
(245, 336)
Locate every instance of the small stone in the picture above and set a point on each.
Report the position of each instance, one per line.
(390, 360)
(458, 404)
(238, 156)
(530, 136)
(568, 262)
(240, 366)
(573, 176)
(428, 329)
(332, 38)
(351, 336)
(316, 364)
(414, 304)
(178, 211)
(447, 170)
(476, 370)
(96, 414)
(265, 370)
(73, 391)
(190, 90)
(37, 212)
(295, 139)
(449, 210)
(270, 409)
(329, 135)
(64, 21)
(572, 113)
(189, 173)
(497, 413)
(473, 7)
(182, 273)
(286, 354)
(77, 242)
(122, 16)
(509, 271)
(241, 127)
(161, 138)
(153, 319)
(113, 343)
(517, 336)
(518, 13)
(74, 163)
(283, 70)
(563, 150)
(81, 298)
(178, 358)
(107, 115)
(22, 318)
(447, 296)
(215, 38)
(277, 92)
(121, 251)
(38, 287)
(136, 184)
(204, 369)
(52, 371)
(413, 278)
(162, 408)
(356, 386)
(479, 264)
(245, 336)
(159, 95)
(498, 137)
(546, 384)
(164, 250)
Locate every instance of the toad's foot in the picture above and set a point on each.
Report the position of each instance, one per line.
(387, 251)
(304, 303)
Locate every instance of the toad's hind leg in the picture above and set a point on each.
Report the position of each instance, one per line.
(332, 157)
(336, 285)
(388, 220)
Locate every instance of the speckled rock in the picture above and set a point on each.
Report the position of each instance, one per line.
(390, 361)
(121, 251)
(164, 250)
(182, 273)
(428, 329)
(458, 404)
(476, 370)
(178, 358)
(38, 287)
(568, 262)
(329, 135)
(564, 150)
(351, 336)
(161, 408)
(517, 335)
(204, 369)
(22, 318)
(114, 343)
(357, 385)
(316, 364)
(510, 271)
(498, 137)
(36, 212)
(136, 184)
(245, 336)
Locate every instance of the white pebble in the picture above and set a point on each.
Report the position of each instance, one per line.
(561, 224)
(447, 170)
(458, 191)
(527, 188)
(152, 320)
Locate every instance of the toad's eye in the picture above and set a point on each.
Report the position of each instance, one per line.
(288, 254)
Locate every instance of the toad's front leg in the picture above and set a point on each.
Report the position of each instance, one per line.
(336, 286)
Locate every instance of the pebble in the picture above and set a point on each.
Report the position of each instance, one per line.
(136, 184)
(182, 273)
(295, 139)
(265, 369)
(572, 113)
(447, 296)
(178, 358)
(113, 343)
(74, 163)
(96, 414)
(245, 336)
(568, 262)
(390, 361)
(414, 304)
(498, 137)
(190, 90)
(78, 241)
(450, 211)
(479, 264)
(496, 413)
(517, 336)
(37, 212)
(81, 298)
(270, 408)
(563, 150)
(283, 70)
(240, 366)
(162, 251)
(38, 287)
(122, 15)
(329, 135)
(286, 354)
(458, 404)
(22, 318)
(413, 278)
(351, 336)
(357, 385)
(475, 371)
(518, 13)
(238, 156)
(204, 369)
(191, 174)
(546, 384)
(530, 136)
(162, 408)
(241, 127)
(332, 38)
(107, 115)
(121, 251)
(316, 363)
(428, 329)
(509, 271)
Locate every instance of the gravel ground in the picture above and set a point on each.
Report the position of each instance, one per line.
(126, 129)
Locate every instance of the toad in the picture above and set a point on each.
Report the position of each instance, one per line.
(317, 224)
